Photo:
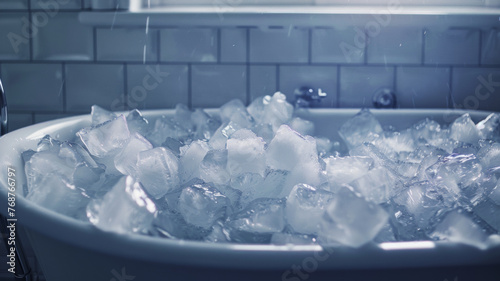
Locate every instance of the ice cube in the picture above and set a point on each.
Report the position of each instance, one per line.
(456, 171)
(271, 110)
(324, 146)
(463, 129)
(495, 194)
(137, 123)
(488, 127)
(490, 156)
(378, 185)
(86, 173)
(460, 228)
(126, 160)
(342, 170)
(363, 127)
(204, 125)
(157, 170)
(427, 131)
(218, 234)
(213, 167)
(171, 224)
(351, 220)
(394, 143)
(100, 115)
(423, 200)
(164, 128)
(288, 148)
(293, 239)
(236, 112)
(56, 193)
(48, 143)
(202, 204)
(245, 153)
(190, 159)
(385, 235)
(106, 139)
(220, 137)
(183, 117)
(258, 221)
(488, 210)
(305, 207)
(125, 208)
(302, 126)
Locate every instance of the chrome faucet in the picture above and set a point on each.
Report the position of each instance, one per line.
(308, 97)
(3, 111)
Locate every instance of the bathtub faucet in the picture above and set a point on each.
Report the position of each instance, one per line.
(308, 97)
(3, 111)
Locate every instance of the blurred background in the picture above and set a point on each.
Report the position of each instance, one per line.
(59, 57)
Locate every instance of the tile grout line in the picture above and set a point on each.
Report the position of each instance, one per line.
(247, 58)
(338, 86)
(94, 45)
(424, 31)
(450, 91)
(190, 94)
(64, 95)
(480, 51)
(125, 86)
(219, 43)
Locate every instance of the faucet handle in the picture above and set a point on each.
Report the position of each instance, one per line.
(308, 97)
(3, 111)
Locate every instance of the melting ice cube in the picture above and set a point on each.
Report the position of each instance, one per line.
(351, 220)
(363, 127)
(126, 160)
(305, 207)
(258, 221)
(125, 208)
(202, 204)
(245, 153)
(157, 170)
(460, 228)
(106, 139)
(100, 115)
(463, 129)
(190, 159)
(342, 170)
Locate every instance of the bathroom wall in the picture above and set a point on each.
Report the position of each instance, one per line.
(52, 65)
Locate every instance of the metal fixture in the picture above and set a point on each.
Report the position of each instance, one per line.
(308, 97)
(384, 98)
(3, 111)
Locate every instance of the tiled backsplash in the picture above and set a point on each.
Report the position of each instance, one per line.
(60, 67)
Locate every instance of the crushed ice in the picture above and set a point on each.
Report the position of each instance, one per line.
(256, 175)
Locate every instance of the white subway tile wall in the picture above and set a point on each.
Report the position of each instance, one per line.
(358, 84)
(37, 87)
(188, 44)
(60, 36)
(279, 45)
(263, 80)
(15, 42)
(13, 4)
(214, 85)
(423, 87)
(157, 86)
(89, 84)
(476, 88)
(53, 66)
(396, 45)
(459, 46)
(140, 46)
(338, 45)
(56, 4)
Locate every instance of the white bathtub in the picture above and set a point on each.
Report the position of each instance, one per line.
(70, 250)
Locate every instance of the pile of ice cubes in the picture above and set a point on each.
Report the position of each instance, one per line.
(256, 175)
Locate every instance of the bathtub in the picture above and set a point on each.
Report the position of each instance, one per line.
(68, 249)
